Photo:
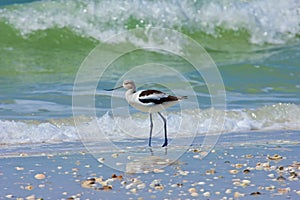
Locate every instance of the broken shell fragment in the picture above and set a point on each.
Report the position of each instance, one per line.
(106, 187)
(210, 171)
(284, 190)
(275, 157)
(88, 183)
(238, 195)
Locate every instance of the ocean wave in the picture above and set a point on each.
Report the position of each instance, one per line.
(275, 117)
(260, 22)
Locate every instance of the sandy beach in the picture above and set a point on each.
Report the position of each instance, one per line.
(241, 166)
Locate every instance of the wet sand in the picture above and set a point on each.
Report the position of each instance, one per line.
(241, 166)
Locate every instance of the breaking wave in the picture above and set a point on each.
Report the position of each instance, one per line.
(275, 117)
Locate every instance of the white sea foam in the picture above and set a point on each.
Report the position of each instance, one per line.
(275, 117)
(265, 21)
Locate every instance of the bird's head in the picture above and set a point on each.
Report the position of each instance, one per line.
(127, 84)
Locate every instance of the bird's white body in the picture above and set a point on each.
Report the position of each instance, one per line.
(150, 101)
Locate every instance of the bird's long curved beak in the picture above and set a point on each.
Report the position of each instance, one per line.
(114, 88)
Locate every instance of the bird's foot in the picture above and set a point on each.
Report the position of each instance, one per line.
(165, 144)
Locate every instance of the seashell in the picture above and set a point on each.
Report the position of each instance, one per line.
(206, 194)
(194, 194)
(19, 168)
(228, 191)
(40, 176)
(115, 155)
(233, 171)
(29, 187)
(192, 190)
(272, 187)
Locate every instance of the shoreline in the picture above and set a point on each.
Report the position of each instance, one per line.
(233, 169)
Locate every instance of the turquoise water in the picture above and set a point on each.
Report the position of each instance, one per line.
(255, 45)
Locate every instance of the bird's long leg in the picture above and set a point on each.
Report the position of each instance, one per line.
(151, 127)
(165, 126)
